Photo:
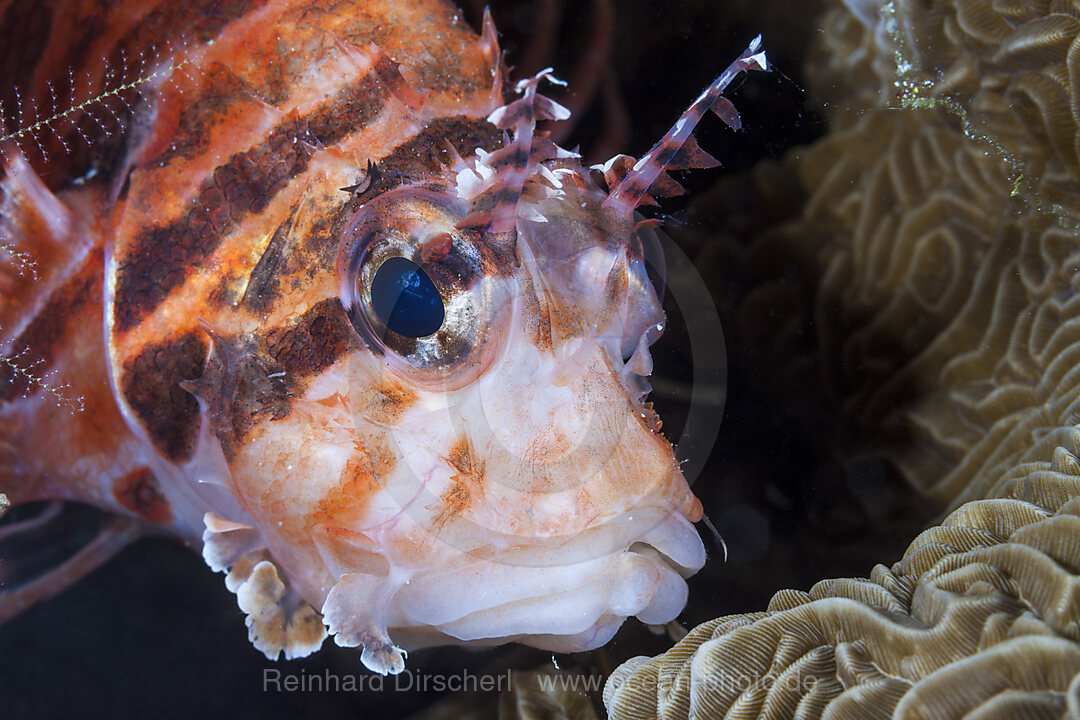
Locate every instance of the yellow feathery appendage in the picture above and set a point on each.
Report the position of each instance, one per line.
(86, 102)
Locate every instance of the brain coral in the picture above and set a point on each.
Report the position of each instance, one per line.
(941, 219)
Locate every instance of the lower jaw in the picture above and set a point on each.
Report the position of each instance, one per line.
(563, 609)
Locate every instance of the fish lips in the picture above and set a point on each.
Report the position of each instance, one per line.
(573, 605)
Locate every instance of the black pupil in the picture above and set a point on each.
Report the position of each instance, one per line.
(405, 299)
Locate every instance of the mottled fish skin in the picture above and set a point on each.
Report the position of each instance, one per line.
(206, 298)
(223, 147)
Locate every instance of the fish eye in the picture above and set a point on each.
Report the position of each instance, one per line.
(405, 299)
(421, 292)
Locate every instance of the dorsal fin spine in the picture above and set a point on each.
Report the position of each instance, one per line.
(633, 188)
(510, 164)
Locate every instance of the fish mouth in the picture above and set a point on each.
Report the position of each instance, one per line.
(646, 550)
(564, 608)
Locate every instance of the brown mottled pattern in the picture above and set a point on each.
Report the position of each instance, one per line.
(138, 491)
(426, 153)
(314, 342)
(181, 260)
(218, 94)
(287, 261)
(198, 20)
(253, 377)
(242, 186)
(240, 386)
(353, 107)
(163, 256)
(385, 402)
(169, 413)
(35, 347)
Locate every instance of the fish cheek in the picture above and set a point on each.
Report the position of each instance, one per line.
(346, 504)
(631, 464)
(308, 479)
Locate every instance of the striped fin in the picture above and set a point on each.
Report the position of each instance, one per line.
(502, 173)
(633, 188)
(40, 558)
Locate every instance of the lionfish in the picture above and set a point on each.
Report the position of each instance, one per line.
(407, 414)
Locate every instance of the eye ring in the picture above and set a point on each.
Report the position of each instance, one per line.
(422, 293)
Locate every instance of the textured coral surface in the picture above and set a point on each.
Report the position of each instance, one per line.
(937, 264)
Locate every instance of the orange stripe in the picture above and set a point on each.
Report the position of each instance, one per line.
(162, 257)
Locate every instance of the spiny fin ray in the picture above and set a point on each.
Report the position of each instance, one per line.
(496, 180)
(633, 188)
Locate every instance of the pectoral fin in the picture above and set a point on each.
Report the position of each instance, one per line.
(46, 547)
(41, 244)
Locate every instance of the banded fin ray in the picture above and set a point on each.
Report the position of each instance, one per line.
(633, 188)
(499, 177)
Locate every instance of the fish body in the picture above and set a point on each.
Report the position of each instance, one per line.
(403, 414)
